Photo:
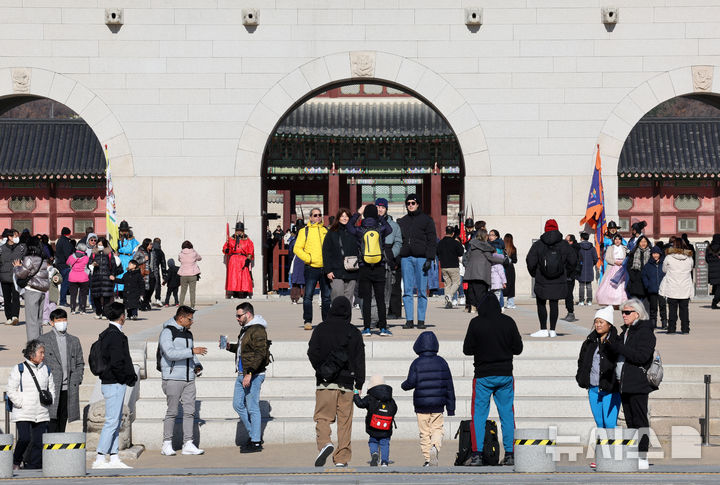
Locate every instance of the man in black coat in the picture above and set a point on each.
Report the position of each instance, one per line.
(572, 273)
(337, 353)
(492, 339)
(119, 373)
(418, 251)
(449, 251)
(712, 257)
(547, 262)
(63, 250)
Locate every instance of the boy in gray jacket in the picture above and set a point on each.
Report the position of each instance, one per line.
(178, 362)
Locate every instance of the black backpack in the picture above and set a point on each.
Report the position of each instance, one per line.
(335, 362)
(552, 264)
(491, 444)
(96, 359)
(465, 444)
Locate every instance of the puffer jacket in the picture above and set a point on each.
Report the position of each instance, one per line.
(712, 256)
(309, 244)
(430, 376)
(8, 254)
(634, 349)
(678, 283)
(188, 259)
(479, 260)
(588, 259)
(36, 268)
(24, 395)
(252, 347)
(104, 265)
(419, 235)
(652, 272)
(177, 361)
(78, 262)
(608, 381)
(142, 257)
(378, 401)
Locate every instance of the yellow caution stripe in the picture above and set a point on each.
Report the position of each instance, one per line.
(64, 446)
(535, 442)
(615, 442)
(6, 447)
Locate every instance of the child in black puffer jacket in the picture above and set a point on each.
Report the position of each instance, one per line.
(379, 420)
(434, 392)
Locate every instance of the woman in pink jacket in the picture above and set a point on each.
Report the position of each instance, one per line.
(189, 271)
(78, 278)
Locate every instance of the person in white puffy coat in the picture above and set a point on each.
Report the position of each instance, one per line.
(29, 415)
(677, 285)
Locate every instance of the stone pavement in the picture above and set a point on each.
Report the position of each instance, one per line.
(285, 324)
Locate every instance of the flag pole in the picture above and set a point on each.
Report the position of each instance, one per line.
(111, 225)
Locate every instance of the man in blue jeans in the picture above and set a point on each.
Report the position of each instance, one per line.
(252, 352)
(419, 245)
(119, 373)
(492, 339)
(308, 247)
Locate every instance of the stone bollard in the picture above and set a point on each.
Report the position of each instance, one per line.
(616, 450)
(64, 455)
(531, 451)
(6, 456)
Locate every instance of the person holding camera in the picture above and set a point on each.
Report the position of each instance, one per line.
(31, 390)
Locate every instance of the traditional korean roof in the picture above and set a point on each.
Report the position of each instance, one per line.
(49, 149)
(367, 119)
(672, 147)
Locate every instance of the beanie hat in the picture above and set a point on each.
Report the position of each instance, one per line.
(381, 202)
(657, 249)
(376, 381)
(65, 231)
(411, 197)
(551, 225)
(605, 313)
(370, 211)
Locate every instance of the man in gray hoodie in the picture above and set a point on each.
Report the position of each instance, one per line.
(178, 362)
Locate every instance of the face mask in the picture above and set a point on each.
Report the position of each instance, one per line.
(100, 247)
(16, 240)
(3, 241)
(61, 326)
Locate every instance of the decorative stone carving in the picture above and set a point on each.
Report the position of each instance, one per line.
(702, 78)
(362, 64)
(96, 421)
(21, 80)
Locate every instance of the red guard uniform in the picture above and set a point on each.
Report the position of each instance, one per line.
(238, 251)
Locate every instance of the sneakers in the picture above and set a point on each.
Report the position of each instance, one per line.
(366, 332)
(384, 332)
(434, 456)
(593, 465)
(115, 463)
(324, 453)
(421, 324)
(511, 307)
(643, 464)
(552, 333)
(385, 464)
(307, 325)
(427, 463)
(98, 317)
(374, 459)
(476, 460)
(448, 303)
(461, 301)
(340, 465)
(408, 324)
(509, 459)
(540, 333)
(581, 303)
(454, 303)
(100, 462)
(252, 447)
(189, 448)
(167, 449)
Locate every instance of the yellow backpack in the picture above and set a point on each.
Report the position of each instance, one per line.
(371, 247)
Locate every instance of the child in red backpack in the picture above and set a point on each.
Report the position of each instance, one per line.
(379, 421)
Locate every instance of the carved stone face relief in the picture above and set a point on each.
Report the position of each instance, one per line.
(21, 80)
(362, 64)
(702, 77)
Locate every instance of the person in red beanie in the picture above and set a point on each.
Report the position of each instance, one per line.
(548, 261)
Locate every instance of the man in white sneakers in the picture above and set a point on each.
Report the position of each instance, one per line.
(179, 365)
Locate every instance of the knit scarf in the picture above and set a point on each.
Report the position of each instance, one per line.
(641, 257)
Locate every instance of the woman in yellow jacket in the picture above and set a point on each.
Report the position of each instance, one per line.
(308, 248)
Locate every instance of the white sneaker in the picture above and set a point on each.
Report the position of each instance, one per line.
(582, 303)
(461, 301)
(434, 456)
(553, 334)
(167, 449)
(454, 303)
(540, 334)
(100, 462)
(189, 448)
(643, 464)
(116, 463)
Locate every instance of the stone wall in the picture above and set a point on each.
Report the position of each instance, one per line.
(185, 95)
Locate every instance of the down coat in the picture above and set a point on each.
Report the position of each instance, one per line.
(36, 268)
(550, 288)
(712, 256)
(103, 265)
(24, 395)
(430, 376)
(678, 283)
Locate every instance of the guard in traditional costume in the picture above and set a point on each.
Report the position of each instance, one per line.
(239, 254)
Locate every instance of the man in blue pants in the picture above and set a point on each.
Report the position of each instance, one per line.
(492, 339)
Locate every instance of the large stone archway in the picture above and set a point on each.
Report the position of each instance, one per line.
(702, 79)
(31, 81)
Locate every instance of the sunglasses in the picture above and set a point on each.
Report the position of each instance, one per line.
(315, 215)
(239, 315)
(412, 202)
(628, 312)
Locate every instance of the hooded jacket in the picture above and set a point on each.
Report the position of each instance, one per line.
(479, 260)
(393, 242)
(35, 268)
(608, 382)
(712, 256)
(336, 246)
(636, 345)
(188, 259)
(550, 288)
(418, 234)
(377, 397)
(335, 332)
(177, 361)
(430, 376)
(103, 265)
(309, 244)
(78, 263)
(368, 223)
(652, 272)
(251, 348)
(493, 339)
(24, 394)
(588, 259)
(677, 283)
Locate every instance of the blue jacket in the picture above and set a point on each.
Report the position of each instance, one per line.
(430, 376)
(652, 273)
(588, 259)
